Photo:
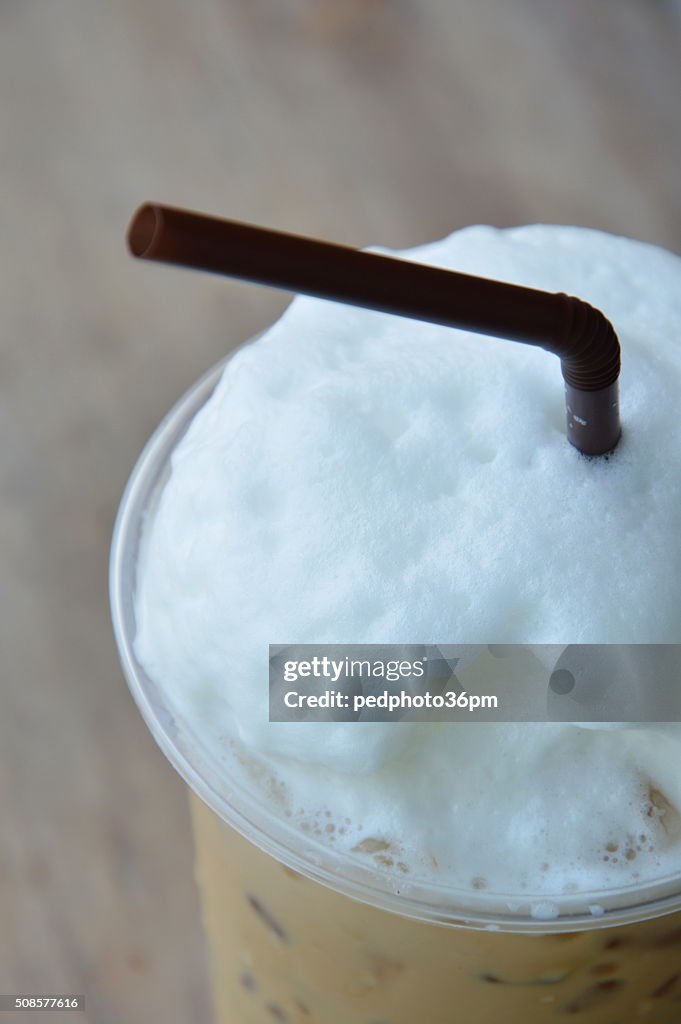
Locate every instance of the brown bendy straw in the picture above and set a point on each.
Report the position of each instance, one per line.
(580, 335)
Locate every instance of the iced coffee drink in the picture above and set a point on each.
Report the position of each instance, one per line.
(357, 478)
(283, 948)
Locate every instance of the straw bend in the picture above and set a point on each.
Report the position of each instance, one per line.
(591, 362)
(580, 335)
(590, 353)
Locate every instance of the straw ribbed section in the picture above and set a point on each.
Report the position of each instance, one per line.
(590, 350)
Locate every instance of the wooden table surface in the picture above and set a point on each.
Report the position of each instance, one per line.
(367, 121)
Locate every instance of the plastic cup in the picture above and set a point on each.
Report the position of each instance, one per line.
(300, 933)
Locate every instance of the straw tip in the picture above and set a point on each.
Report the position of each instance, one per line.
(143, 229)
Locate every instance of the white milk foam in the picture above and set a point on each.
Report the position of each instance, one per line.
(359, 478)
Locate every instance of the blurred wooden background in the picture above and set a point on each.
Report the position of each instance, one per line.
(367, 121)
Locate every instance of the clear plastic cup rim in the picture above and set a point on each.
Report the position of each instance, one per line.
(240, 808)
